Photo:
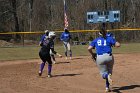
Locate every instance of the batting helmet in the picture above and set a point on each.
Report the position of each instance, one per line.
(52, 34)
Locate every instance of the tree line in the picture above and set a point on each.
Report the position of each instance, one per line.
(38, 15)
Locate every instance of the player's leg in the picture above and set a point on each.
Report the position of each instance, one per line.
(104, 73)
(66, 48)
(110, 69)
(103, 70)
(110, 66)
(101, 63)
(108, 60)
(102, 66)
(69, 49)
(49, 65)
(42, 57)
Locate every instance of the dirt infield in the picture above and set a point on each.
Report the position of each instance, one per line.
(79, 75)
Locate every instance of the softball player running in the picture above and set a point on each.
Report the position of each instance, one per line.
(104, 57)
(65, 37)
(44, 53)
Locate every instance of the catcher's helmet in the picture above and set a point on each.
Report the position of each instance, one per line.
(52, 34)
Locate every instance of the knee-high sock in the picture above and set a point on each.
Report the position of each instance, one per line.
(105, 76)
(42, 66)
(70, 53)
(49, 68)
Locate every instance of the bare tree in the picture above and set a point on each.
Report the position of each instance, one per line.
(14, 10)
(38, 15)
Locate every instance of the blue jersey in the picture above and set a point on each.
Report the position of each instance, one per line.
(65, 36)
(103, 45)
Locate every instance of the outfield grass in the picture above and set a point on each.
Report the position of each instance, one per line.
(128, 48)
(18, 53)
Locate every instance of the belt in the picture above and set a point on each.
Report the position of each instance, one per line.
(110, 54)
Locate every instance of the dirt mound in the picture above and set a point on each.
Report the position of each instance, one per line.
(5, 43)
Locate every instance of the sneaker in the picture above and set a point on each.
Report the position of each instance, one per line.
(66, 58)
(70, 58)
(107, 90)
(110, 79)
(54, 62)
(49, 75)
(40, 73)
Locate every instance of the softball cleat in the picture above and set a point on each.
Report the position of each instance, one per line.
(40, 73)
(49, 75)
(70, 58)
(107, 90)
(54, 62)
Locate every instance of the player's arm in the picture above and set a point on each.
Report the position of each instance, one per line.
(56, 52)
(93, 55)
(90, 49)
(59, 54)
(91, 46)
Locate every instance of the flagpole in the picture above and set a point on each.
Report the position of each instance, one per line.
(64, 13)
(65, 16)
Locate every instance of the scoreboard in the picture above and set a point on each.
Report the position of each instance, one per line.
(103, 16)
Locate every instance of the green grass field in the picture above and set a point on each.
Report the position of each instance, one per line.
(25, 53)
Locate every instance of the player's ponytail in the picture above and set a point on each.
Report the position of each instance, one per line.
(102, 33)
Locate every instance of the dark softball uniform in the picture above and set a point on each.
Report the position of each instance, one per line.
(44, 53)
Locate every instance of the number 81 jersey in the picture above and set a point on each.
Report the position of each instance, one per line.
(103, 45)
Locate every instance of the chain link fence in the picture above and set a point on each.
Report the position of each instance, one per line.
(83, 38)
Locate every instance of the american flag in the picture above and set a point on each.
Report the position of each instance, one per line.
(65, 16)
